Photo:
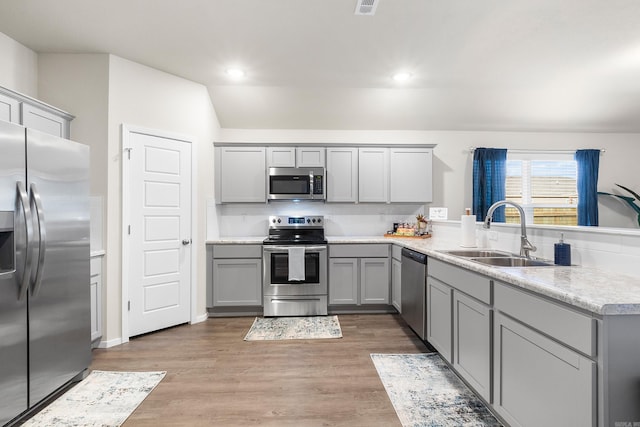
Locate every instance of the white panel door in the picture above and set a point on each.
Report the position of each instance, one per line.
(160, 235)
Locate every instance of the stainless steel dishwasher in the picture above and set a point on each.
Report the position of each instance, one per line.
(413, 291)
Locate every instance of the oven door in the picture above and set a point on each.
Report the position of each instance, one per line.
(276, 271)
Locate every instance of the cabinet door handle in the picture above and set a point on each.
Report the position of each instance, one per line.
(186, 242)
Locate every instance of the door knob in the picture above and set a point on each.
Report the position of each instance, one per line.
(186, 242)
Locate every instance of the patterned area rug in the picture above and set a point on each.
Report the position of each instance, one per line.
(102, 399)
(294, 328)
(426, 393)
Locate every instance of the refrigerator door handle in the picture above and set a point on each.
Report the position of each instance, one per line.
(42, 234)
(22, 202)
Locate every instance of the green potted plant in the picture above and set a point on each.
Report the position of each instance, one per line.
(630, 200)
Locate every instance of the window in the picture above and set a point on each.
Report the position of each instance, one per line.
(545, 184)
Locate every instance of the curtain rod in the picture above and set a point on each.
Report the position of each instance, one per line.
(602, 150)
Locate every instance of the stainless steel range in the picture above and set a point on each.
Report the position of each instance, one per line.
(294, 264)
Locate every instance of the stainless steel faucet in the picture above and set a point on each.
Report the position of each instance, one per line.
(525, 244)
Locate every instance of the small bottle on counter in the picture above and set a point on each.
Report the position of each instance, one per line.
(562, 252)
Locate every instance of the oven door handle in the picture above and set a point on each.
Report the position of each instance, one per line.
(286, 248)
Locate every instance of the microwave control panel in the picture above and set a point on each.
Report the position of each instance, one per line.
(318, 184)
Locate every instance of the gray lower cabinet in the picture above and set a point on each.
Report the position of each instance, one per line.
(439, 317)
(343, 281)
(95, 286)
(396, 282)
(236, 275)
(374, 281)
(359, 274)
(536, 361)
(544, 372)
(539, 382)
(472, 342)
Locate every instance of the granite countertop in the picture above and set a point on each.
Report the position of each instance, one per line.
(254, 240)
(597, 291)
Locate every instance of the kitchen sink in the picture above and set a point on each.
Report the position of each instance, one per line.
(511, 261)
(477, 253)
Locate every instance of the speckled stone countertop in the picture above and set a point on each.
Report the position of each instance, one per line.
(598, 291)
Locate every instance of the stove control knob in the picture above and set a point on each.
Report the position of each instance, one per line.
(273, 220)
(314, 220)
(308, 220)
(279, 220)
(319, 220)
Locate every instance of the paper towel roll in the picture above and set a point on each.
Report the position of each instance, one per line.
(468, 224)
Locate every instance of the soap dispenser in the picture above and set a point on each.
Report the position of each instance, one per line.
(562, 252)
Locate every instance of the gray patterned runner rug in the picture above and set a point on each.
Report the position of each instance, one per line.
(104, 398)
(294, 328)
(426, 393)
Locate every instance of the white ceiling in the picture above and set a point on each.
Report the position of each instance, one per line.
(477, 64)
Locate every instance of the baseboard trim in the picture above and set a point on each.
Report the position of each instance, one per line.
(110, 343)
(201, 318)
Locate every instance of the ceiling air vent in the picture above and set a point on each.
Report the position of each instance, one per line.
(366, 7)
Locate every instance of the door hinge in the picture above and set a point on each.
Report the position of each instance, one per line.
(128, 305)
(128, 150)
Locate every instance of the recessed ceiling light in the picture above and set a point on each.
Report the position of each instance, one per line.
(401, 76)
(235, 73)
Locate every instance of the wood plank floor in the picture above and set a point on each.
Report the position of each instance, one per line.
(216, 378)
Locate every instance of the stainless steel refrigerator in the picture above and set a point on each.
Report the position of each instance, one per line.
(45, 337)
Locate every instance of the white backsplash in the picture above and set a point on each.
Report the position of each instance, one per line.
(250, 220)
(616, 250)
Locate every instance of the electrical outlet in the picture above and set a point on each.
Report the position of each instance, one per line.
(493, 235)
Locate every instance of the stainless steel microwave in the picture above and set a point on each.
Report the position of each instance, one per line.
(296, 184)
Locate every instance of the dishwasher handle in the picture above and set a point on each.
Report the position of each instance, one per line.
(415, 256)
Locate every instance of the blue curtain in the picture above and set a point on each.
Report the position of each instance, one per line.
(588, 162)
(489, 181)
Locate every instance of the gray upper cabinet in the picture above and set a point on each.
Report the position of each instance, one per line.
(37, 118)
(364, 174)
(241, 175)
(281, 157)
(342, 174)
(289, 157)
(373, 175)
(31, 113)
(310, 157)
(410, 175)
(9, 109)
(395, 175)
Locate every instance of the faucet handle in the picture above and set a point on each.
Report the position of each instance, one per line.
(526, 247)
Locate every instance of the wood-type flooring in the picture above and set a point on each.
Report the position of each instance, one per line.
(214, 378)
